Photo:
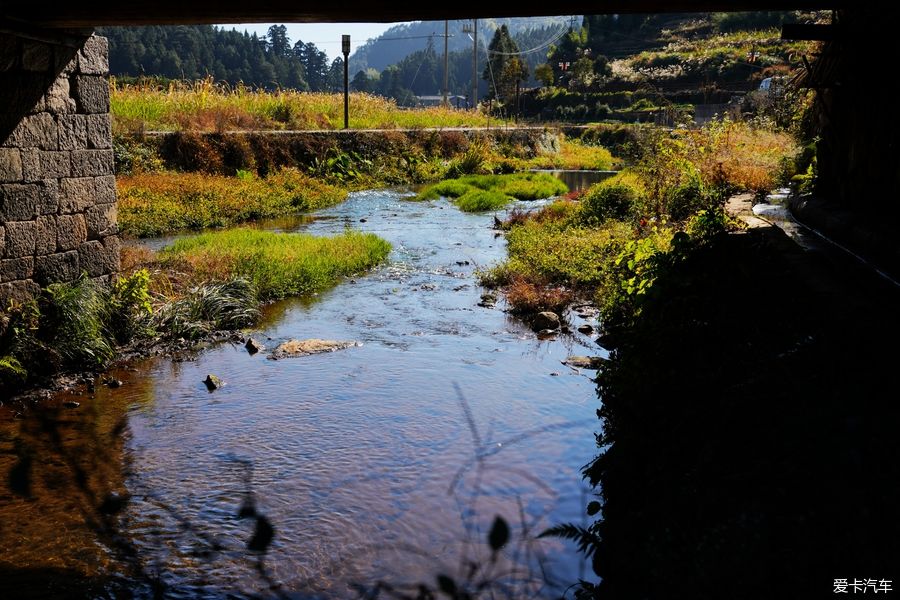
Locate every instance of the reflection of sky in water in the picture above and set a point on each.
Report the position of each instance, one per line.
(354, 452)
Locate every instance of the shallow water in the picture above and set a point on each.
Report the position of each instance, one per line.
(362, 459)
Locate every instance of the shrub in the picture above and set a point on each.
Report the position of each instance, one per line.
(529, 297)
(620, 198)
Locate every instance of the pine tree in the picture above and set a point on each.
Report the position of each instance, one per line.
(504, 68)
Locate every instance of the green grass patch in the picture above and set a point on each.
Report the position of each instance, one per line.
(476, 200)
(278, 264)
(152, 204)
(476, 193)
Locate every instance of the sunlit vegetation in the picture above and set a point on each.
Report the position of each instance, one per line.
(155, 203)
(614, 240)
(277, 264)
(477, 193)
(207, 106)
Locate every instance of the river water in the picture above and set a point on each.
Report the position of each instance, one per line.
(363, 460)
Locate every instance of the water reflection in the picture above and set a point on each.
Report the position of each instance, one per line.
(364, 459)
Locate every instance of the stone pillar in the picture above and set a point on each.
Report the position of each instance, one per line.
(57, 186)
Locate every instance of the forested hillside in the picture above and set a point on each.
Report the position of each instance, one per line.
(197, 51)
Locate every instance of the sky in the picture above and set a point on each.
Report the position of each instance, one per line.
(326, 36)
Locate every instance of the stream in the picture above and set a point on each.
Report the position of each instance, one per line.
(364, 460)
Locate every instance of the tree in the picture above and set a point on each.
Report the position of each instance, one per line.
(582, 74)
(544, 73)
(504, 68)
(335, 76)
(279, 43)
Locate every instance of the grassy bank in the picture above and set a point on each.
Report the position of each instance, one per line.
(277, 264)
(611, 244)
(152, 204)
(206, 106)
(197, 289)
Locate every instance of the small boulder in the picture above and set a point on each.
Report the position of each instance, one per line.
(253, 346)
(488, 300)
(545, 320)
(113, 383)
(295, 348)
(584, 362)
(71, 404)
(585, 329)
(212, 382)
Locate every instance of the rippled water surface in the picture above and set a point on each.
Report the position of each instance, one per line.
(362, 459)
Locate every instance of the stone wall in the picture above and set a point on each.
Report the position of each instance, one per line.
(57, 187)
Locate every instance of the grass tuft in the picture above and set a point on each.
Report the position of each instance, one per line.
(482, 200)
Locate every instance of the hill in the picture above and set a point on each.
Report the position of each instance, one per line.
(402, 40)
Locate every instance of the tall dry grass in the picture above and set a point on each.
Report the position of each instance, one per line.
(209, 106)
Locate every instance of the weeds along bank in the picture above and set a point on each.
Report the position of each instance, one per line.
(190, 180)
(609, 244)
(199, 287)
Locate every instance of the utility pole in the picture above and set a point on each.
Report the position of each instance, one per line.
(474, 31)
(345, 47)
(446, 61)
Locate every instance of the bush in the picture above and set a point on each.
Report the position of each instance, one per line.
(618, 198)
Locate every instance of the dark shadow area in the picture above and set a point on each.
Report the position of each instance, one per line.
(753, 417)
(48, 582)
(28, 70)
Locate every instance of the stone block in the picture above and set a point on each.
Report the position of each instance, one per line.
(92, 163)
(58, 99)
(45, 235)
(113, 247)
(65, 60)
(71, 232)
(55, 164)
(53, 268)
(14, 269)
(98, 259)
(76, 195)
(20, 239)
(93, 58)
(105, 189)
(10, 165)
(102, 220)
(35, 131)
(18, 202)
(72, 132)
(36, 56)
(31, 165)
(2, 239)
(48, 197)
(99, 131)
(19, 291)
(91, 94)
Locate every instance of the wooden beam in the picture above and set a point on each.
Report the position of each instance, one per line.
(166, 12)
